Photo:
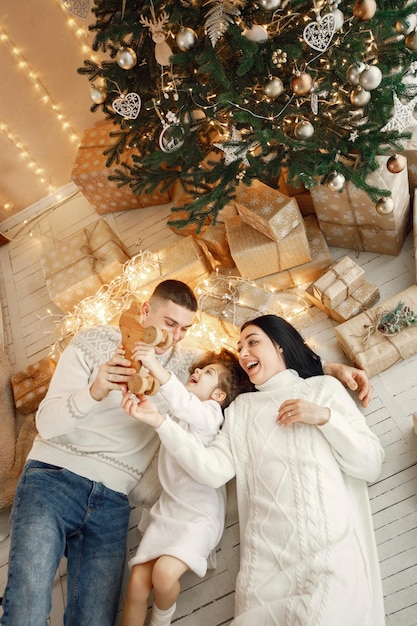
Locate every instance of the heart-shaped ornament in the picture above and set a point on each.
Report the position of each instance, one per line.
(128, 105)
(318, 35)
(80, 8)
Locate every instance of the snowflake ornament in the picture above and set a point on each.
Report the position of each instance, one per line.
(403, 115)
(234, 152)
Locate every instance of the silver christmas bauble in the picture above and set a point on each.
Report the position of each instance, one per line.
(274, 87)
(304, 130)
(97, 95)
(354, 71)
(339, 18)
(269, 5)
(360, 97)
(336, 181)
(256, 33)
(186, 39)
(126, 58)
(406, 24)
(385, 206)
(370, 78)
(411, 41)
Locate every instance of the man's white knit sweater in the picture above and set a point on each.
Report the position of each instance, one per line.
(96, 440)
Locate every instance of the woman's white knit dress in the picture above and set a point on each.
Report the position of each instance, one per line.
(308, 555)
(188, 519)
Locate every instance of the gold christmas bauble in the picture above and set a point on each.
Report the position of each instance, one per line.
(360, 97)
(126, 58)
(364, 10)
(385, 206)
(354, 71)
(186, 39)
(274, 87)
(301, 84)
(406, 24)
(411, 41)
(303, 130)
(97, 95)
(396, 163)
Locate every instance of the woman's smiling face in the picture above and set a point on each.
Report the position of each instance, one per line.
(258, 355)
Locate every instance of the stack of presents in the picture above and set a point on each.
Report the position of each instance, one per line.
(275, 239)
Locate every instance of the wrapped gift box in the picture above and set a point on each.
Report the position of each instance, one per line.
(365, 296)
(31, 384)
(78, 266)
(90, 174)
(415, 230)
(410, 152)
(215, 244)
(305, 273)
(349, 218)
(371, 349)
(339, 282)
(254, 254)
(300, 193)
(275, 216)
(183, 260)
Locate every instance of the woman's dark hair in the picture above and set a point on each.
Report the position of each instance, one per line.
(233, 380)
(296, 353)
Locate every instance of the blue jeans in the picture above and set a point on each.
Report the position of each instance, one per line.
(55, 513)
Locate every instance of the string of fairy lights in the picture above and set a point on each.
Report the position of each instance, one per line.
(40, 89)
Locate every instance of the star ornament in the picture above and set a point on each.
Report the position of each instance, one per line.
(403, 115)
(234, 152)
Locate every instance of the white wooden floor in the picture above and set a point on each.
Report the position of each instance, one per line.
(209, 602)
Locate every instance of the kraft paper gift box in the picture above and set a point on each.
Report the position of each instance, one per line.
(215, 244)
(415, 230)
(338, 282)
(254, 254)
(183, 260)
(300, 193)
(371, 349)
(31, 384)
(349, 219)
(410, 152)
(275, 216)
(78, 266)
(305, 273)
(91, 175)
(366, 295)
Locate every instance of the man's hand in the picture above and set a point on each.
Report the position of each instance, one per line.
(353, 378)
(141, 409)
(113, 374)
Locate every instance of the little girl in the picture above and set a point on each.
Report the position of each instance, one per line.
(185, 525)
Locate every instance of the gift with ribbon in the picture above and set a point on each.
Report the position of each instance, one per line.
(383, 335)
(31, 384)
(80, 264)
(415, 231)
(338, 283)
(350, 219)
(365, 296)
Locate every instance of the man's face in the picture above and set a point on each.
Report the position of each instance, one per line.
(167, 315)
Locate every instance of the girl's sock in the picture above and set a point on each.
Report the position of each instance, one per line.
(160, 617)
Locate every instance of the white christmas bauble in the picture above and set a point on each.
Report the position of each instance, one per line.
(97, 95)
(126, 58)
(339, 19)
(406, 25)
(360, 97)
(354, 71)
(411, 41)
(335, 181)
(269, 5)
(256, 33)
(274, 87)
(385, 206)
(304, 130)
(186, 39)
(370, 78)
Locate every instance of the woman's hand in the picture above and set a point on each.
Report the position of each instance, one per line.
(353, 378)
(113, 374)
(292, 411)
(141, 408)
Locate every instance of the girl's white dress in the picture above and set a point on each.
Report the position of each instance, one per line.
(187, 521)
(308, 553)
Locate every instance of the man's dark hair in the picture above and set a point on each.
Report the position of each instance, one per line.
(176, 291)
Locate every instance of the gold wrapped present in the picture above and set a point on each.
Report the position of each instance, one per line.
(216, 246)
(183, 260)
(90, 174)
(275, 216)
(410, 152)
(78, 266)
(254, 254)
(339, 282)
(415, 230)
(300, 193)
(366, 295)
(31, 384)
(349, 218)
(373, 350)
(305, 273)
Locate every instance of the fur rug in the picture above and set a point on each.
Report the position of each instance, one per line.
(16, 436)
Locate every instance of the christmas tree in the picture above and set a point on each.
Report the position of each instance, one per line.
(217, 93)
